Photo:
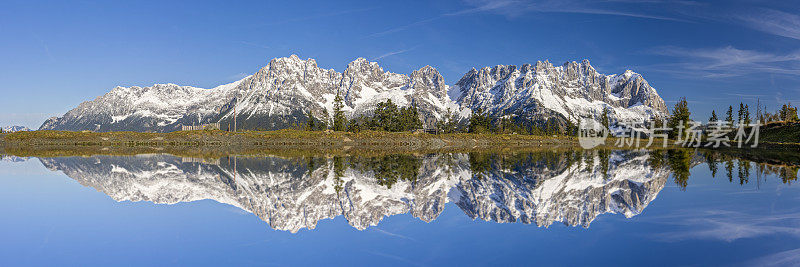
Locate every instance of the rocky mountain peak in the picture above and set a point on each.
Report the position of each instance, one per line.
(280, 93)
(364, 66)
(427, 79)
(543, 65)
(572, 91)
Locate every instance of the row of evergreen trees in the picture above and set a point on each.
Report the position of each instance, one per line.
(786, 113)
(391, 118)
(680, 114)
(479, 122)
(387, 117)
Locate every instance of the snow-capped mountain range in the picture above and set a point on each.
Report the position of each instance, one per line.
(14, 128)
(280, 94)
(291, 194)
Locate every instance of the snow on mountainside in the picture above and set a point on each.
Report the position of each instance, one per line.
(11, 129)
(571, 92)
(159, 108)
(292, 195)
(280, 94)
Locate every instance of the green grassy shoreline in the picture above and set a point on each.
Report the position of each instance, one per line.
(214, 143)
(256, 142)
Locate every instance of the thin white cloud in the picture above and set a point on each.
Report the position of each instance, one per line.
(784, 258)
(729, 226)
(745, 95)
(391, 234)
(636, 9)
(485, 7)
(690, 3)
(726, 62)
(514, 8)
(394, 53)
(772, 21)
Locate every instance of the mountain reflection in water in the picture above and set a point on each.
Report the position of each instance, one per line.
(292, 193)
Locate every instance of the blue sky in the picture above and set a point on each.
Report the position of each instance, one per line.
(54, 55)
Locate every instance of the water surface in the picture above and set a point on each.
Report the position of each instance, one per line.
(540, 208)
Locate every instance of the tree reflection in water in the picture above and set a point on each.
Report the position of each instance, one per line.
(293, 193)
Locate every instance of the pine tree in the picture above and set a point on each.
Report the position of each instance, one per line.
(729, 119)
(658, 122)
(782, 113)
(354, 125)
(416, 123)
(746, 114)
(412, 121)
(386, 116)
(571, 129)
(339, 120)
(788, 113)
(311, 123)
(680, 117)
(479, 122)
(713, 117)
(444, 125)
(741, 112)
(449, 123)
(604, 118)
(404, 119)
(324, 124)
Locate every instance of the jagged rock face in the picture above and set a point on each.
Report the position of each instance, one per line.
(159, 108)
(570, 92)
(275, 97)
(293, 194)
(280, 94)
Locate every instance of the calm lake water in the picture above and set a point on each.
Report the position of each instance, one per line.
(546, 208)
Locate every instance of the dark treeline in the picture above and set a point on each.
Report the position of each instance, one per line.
(386, 117)
(480, 122)
(388, 169)
(389, 117)
(526, 167)
(744, 168)
(780, 126)
(787, 113)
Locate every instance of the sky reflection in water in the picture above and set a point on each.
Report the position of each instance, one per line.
(592, 208)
